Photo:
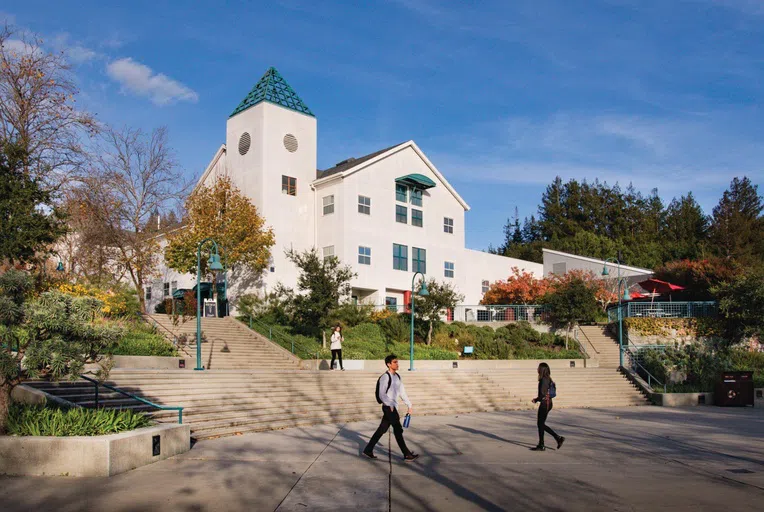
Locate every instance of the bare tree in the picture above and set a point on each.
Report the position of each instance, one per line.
(37, 107)
(134, 175)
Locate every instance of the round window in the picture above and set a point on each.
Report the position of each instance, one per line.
(290, 142)
(244, 142)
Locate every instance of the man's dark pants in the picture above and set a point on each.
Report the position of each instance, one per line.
(389, 417)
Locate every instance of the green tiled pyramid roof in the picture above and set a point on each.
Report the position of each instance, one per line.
(273, 88)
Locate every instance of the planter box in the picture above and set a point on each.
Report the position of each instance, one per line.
(92, 456)
(682, 399)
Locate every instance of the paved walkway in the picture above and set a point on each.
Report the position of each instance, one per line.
(642, 458)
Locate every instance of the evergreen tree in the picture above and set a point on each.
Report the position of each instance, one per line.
(738, 227)
(29, 224)
(684, 230)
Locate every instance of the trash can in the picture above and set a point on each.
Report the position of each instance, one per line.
(734, 389)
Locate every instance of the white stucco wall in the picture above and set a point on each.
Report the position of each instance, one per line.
(575, 262)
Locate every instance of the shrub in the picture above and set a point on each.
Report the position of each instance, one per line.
(120, 301)
(351, 315)
(141, 339)
(40, 420)
(395, 328)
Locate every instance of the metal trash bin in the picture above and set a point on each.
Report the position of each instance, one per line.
(734, 389)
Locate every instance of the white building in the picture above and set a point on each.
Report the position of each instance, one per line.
(558, 262)
(387, 214)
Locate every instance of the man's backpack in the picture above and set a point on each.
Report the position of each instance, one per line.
(389, 383)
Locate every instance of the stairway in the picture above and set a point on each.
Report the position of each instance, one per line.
(600, 345)
(230, 345)
(585, 387)
(219, 403)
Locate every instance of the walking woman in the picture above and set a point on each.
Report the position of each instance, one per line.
(544, 398)
(337, 340)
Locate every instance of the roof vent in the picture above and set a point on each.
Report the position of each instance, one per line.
(345, 161)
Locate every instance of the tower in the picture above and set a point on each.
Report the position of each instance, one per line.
(271, 157)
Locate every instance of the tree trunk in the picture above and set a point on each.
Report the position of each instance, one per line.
(567, 336)
(429, 334)
(5, 403)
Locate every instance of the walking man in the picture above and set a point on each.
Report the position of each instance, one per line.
(389, 388)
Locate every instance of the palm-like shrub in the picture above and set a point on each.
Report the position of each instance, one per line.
(50, 336)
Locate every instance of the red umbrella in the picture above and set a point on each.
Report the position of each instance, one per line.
(637, 295)
(658, 286)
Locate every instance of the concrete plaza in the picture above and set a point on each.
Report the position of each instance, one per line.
(638, 458)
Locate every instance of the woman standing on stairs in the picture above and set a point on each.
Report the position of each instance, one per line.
(336, 346)
(546, 385)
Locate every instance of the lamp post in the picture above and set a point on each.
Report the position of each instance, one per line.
(626, 296)
(423, 293)
(214, 264)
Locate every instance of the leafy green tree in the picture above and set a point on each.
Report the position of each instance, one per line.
(737, 228)
(570, 303)
(51, 336)
(29, 224)
(441, 296)
(741, 303)
(321, 286)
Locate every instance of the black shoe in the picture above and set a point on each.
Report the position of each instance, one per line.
(410, 457)
(539, 448)
(560, 440)
(369, 455)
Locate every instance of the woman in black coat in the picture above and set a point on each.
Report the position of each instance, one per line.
(545, 382)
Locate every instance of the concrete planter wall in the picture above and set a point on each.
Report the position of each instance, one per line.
(682, 399)
(461, 364)
(151, 362)
(91, 456)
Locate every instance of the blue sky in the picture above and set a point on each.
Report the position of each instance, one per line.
(502, 96)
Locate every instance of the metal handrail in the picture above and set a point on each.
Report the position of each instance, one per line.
(587, 339)
(581, 345)
(130, 395)
(147, 318)
(634, 361)
(284, 337)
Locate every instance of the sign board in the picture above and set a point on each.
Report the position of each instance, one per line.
(469, 350)
(210, 308)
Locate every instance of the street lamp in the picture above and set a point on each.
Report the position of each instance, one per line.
(214, 264)
(626, 296)
(60, 266)
(422, 293)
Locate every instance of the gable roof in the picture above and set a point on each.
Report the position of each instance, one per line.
(352, 166)
(351, 162)
(274, 89)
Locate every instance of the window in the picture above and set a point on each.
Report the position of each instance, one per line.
(400, 192)
(448, 225)
(484, 286)
(166, 289)
(416, 197)
(364, 255)
(288, 185)
(174, 286)
(448, 269)
(401, 214)
(559, 269)
(391, 303)
(400, 257)
(416, 218)
(419, 260)
(148, 293)
(364, 205)
(328, 252)
(328, 204)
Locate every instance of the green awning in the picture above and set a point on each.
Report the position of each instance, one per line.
(416, 181)
(179, 294)
(207, 287)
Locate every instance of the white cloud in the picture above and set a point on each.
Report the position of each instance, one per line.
(141, 80)
(74, 52)
(20, 47)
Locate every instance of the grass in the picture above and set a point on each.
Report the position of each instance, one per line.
(142, 339)
(46, 420)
